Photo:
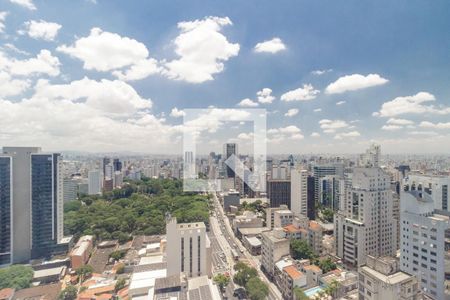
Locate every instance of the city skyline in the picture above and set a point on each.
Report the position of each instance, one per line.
(347, 76)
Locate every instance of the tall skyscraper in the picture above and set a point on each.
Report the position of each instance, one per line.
(228, 150)
(279, 192)
(36, 191)
(424, 234)
(95, 183)
(6, 209)
(364, 224)
(299, 191)
(320, 171)
(437, 186)
(188, 249)
(371, 158)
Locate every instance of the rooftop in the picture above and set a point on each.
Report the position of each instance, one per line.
(293, 272)
(389, 279)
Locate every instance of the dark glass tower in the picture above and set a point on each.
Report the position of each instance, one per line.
(5, 210)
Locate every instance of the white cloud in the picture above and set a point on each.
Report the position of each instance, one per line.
(317, 110)
(340, 102)
(351, 134)
(307, 92)
(424, 133)
(109, 97)
(288, 133)
(265, 96)
(354, 82)
(440, 125)
(416, 104)
(41, 30)
(330, 126)
(315, 134)
(401, 122)
(202, 49)
(140, 70)
(271, 46)
(11, 47)
(84, 115)
(12, 87)
(247, 103)
(176, 113)
(3, 15)
(25, 3)
(391, 127)
(321, 72)
(43, 63)
(106, 51)
(291, 112)
(245, 136)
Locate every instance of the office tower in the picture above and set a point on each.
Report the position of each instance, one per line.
(437, 186)
(364, 224)
(6, 209)
(371, 158)
(228, 150)
(106, 161)
(118, 179)
(299, 192)
(95, 183)
(320, 171)
(21, 208)
(381, 279)
(70, 188)
(46, 203)
(279, 192)
(117, 165)
(423, 245)
(311, 196)
(188, 249)
(330, 190)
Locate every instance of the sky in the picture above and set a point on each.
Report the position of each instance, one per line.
(333, 76)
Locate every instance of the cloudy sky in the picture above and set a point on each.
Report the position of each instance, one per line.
(110, 75)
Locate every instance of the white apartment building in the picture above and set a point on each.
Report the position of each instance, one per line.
(423, 241)
(299, 191)
(95, 182)
(188, 249)
(381, 279)
(274, 246)
(438, 187)
(364, 224)
(282, 218)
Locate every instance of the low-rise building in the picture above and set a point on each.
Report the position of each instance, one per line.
(253, 245)
(247, 220)
(81, 251)
(274, 246)
(381, 279)
(282, 218)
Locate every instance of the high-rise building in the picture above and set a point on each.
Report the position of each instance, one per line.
(6, 210)
(95, 182)
(36, 213)
(311, 198)
(424, 233)
(371, 158)
(322, 170)
(299, 192)
(70, 188)
(228, 150)
(117, 164)
(435, 185)
(364, 224)
(279, 192)
(188, 249)
(274, 246)
(381, 279)
(330, 191)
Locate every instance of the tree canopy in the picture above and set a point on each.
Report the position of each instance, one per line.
(139, 207)
(256, 289)
(222, 281)
(301, 250)
(16, 276)
(300, 294)
(69, 293)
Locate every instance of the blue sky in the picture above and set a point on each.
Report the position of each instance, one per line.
(389, 62)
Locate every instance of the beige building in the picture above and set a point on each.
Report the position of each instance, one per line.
(274, 246)
(188, 249)
(381, 279)
(81, 251)
(282, 218)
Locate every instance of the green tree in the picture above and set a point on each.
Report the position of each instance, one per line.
(300, 294)
(327, 215)
(84, 272)
(222, 281)
(256, 289)
(117, 255)
(332, 288)
(120, 284)
(69, 293)
(16, 276)
(301, 250)
(326, 265)
(243, 273)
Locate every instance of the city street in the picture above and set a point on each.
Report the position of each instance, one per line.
(226, 239)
